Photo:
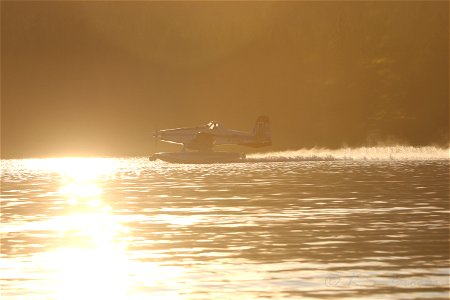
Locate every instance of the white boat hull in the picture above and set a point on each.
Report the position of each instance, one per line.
(198, 157)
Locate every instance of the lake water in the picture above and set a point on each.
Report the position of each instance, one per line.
(368, 223)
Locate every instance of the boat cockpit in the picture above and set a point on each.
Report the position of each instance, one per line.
(213, 125)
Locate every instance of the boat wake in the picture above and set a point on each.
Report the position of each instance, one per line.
(391, 153)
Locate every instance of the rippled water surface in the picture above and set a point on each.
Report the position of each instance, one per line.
(134, 229)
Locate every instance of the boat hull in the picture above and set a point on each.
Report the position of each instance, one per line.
(198, 157)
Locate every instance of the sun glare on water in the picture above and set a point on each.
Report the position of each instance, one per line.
(91, 265)
(87, 255)
(92, 262)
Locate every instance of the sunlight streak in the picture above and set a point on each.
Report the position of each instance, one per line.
(87, 256)
(75, 168)
(92, 263)
(90, 273)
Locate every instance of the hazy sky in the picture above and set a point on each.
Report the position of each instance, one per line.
(96, 78)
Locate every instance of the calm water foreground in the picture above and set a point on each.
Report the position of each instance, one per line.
(309, 226)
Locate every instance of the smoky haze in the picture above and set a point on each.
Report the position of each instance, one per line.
(96, 78)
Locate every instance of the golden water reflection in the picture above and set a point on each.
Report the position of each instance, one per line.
(133, 229)
(93, 262)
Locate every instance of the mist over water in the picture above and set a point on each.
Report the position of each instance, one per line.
(119, 70)
(365, 223)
